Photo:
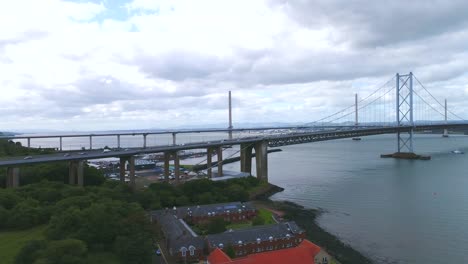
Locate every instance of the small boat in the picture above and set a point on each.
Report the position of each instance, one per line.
(457, 152)
(356, 138)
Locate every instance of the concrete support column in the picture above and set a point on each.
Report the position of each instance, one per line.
(118, 141)
(209, 156)
(176, 166)
(131, 163)
(12, 179)
(167, 158)
(76, 172)
(29, 142)
(144, 140)
(174, 138)
(261, 155)
(90, 142)
(60, 143)
(220, 161)
(80, 172)
(246, 158)
(72, 173)
(123, 160)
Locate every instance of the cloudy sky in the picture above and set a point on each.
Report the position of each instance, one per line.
(123, 64)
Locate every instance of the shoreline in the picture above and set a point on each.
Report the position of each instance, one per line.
(306, 218)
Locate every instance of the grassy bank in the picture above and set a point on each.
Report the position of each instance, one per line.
(12, 241)
(306, 218)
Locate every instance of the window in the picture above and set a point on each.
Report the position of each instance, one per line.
(184, 251)
(192, 250)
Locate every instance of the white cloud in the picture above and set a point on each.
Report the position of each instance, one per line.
(167, 63)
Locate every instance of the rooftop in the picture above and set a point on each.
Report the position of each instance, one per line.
(251, 234)
(304, 253)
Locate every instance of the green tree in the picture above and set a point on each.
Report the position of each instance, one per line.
(30, 251)
(217, 225)
(68, 251)
(230, 251)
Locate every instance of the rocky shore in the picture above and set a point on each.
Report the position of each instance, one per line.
(306, 218)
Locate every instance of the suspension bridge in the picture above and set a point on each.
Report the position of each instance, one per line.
(403, 106)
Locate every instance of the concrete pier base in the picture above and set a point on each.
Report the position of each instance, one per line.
(246, 158)
(406, 155)
(123, 161)
(209, 156)
(261, 159)
(219, 153)
(76, 172)
(167, 159)
(12, 179)
(131, 169)
(176, 166)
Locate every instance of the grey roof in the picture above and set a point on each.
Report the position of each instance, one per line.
(200, 210)
(177, 233)
(251, 234)
(197, 242)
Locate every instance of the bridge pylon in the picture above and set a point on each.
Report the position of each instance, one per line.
(404, 117)
(404, 111)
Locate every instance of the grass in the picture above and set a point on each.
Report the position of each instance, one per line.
(12, 241)
(235, 226)
(266, 215)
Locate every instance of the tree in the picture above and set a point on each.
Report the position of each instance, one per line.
(30, 251)
(217, 225)
(230, 251)
(68, 251)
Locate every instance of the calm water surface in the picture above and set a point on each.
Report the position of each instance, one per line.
(394, 211)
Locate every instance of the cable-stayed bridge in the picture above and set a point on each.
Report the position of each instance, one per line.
(403, 105)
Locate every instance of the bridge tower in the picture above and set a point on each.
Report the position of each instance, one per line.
(404, 111)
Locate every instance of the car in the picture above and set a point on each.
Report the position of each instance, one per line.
(66, 154)
(158, 252)
(82, 153)
(27, 157)
(106, 150)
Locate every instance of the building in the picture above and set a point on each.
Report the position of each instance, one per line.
(258, 239)
(305, 253)
(230, 212)
(183, 244)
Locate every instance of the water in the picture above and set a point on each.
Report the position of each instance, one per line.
(394, 211)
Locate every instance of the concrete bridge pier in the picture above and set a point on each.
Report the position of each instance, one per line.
(12, 179)
(174, 138)
(122, 164)
(167, 158)
(118, 141)
(176, 166)
(60, 142)
(76, 172)
(209, 155)
(144, 140)
(131, 169)
(220, 160)
(261, 159)
(246, 158)
(131, 163)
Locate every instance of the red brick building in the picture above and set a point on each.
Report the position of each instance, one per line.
(258, 238)
(305, 253)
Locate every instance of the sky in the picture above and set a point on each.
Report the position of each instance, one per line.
(146, 64)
